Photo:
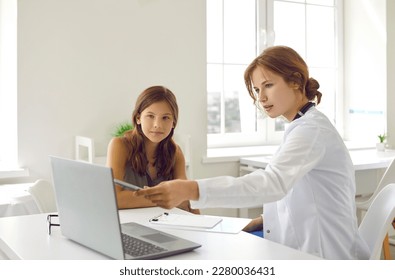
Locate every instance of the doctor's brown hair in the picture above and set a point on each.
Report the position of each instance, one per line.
(287, 63)
(134, 139)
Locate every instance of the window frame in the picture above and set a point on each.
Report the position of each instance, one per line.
(267, 135)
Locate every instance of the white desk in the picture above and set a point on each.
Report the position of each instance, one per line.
(15, 200)
(26, 237)
(369, 166)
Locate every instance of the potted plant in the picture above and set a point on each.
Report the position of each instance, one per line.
(122, 128)
(381, 145)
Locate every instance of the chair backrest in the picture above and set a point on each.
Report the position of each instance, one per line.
(183, 140)
(84, 149)
(44, 196)
(378, 220)
(387, 178)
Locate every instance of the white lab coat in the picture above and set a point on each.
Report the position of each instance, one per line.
(308, 192)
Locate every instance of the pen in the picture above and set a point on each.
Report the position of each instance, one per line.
(155, 219)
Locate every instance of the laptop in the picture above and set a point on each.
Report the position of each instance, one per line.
(88, 215)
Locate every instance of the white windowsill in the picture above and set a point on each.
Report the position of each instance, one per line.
(13, 172)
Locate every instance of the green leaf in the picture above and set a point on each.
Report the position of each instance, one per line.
(122, 128)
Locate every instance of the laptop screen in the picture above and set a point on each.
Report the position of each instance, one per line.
(87, 207)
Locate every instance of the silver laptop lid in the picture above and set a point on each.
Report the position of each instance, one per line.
(87, 205)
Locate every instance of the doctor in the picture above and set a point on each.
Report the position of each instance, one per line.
(308, 188)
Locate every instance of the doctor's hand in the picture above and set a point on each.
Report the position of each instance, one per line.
(170, 194)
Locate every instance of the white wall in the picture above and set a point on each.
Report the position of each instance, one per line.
(391, 72)
(8, 73)
(365, 67)
(369, 41)
(81, 65)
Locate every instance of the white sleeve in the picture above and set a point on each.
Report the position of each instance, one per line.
(297, 156)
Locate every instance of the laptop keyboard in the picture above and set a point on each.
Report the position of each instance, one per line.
(137, 248)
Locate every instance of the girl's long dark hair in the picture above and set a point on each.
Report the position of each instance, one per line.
(134, 139)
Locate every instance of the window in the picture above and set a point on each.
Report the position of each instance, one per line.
(8, 74)
(237, 31)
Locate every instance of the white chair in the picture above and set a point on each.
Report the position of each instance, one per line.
(363, 203)
(84, 149)
(184, 141)
(44, 196)
(378, 220)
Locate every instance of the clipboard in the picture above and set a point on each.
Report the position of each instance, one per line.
(202, 222)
